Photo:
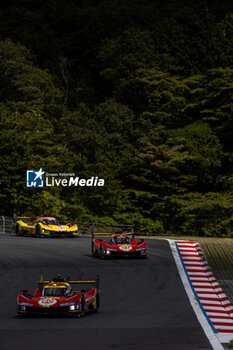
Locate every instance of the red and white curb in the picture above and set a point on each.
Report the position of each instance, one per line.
(212, 307)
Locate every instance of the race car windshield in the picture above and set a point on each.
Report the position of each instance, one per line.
(51, 222)
(58, 292)
(121, 240)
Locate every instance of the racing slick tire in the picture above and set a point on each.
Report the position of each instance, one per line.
(17, 230)
(83, 302)
(97, 302)
(93, 250)
(37, 232)
(102, 255)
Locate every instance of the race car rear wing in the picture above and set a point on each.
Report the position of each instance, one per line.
(95, 282)
(115, 229)
(26, 219)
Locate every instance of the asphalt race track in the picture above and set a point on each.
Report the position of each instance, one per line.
(143, 302)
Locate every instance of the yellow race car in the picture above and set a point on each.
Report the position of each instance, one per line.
(44, 226)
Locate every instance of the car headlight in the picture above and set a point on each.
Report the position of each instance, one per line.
(107, 252)
(72, 307)
(46, 231)
(23, 307)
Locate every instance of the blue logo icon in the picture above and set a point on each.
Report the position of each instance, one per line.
(35, 178)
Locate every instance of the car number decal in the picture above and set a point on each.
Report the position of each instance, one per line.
(61, 228)
(47, 302)
(125, 247)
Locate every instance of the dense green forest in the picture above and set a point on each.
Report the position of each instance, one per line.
(139, 93)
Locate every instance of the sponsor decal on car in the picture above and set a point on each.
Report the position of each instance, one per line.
(61, 228)
(47, 302)
(125, 247)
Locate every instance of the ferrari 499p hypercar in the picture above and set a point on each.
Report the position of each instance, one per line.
(44, 226)
(58, 297)
(123, 244)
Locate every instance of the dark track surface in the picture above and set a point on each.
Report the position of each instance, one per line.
(143, 302)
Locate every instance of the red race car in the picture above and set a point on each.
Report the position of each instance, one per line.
(58, 297)
(118, 244)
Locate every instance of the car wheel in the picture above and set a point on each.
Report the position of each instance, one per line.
(83, 305)
(93, 249)
(17, 230)
(97, 302)
(102, 252)
(37, 233)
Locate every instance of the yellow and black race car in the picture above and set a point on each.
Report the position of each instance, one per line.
(44, 226)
